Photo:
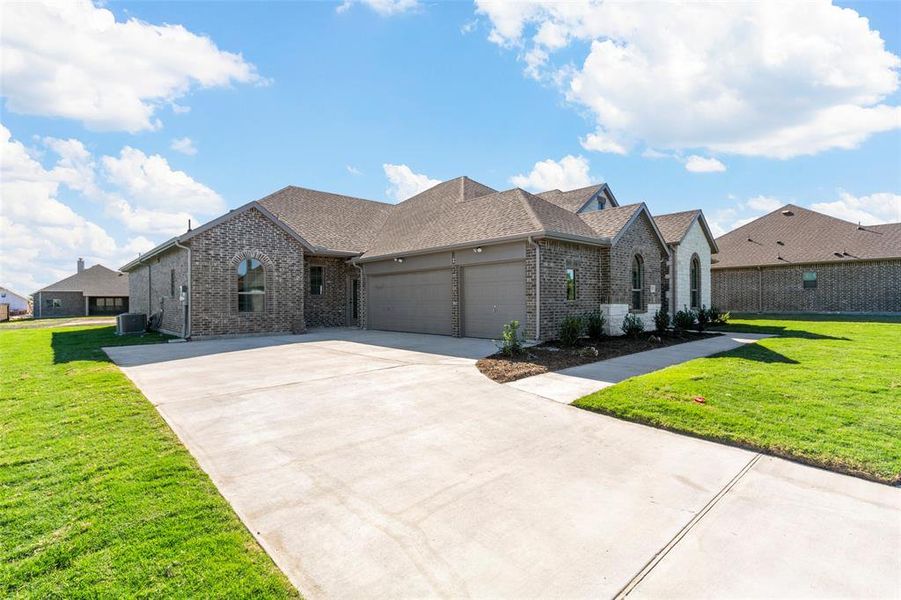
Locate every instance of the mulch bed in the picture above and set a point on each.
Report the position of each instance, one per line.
(551, 356)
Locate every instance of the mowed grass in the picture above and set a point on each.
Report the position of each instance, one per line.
(97, 496)
(827, 392)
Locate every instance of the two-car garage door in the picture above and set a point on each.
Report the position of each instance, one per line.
(421, 302)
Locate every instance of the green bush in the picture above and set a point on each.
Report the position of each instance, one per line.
(716, 317)
(632, 325)
(683, 320)
(594, 324)
(511, 343)
(702, 318)
(570, 330)
(661, 320)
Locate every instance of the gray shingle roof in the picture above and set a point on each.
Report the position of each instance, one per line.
(571, 200)
(674, 226)
(328, 220)
(805, 236)
(462, 211)
(610, 221)
(93, 281)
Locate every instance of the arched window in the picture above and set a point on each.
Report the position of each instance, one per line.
(637, 282)
(251, 286)
(695, 282)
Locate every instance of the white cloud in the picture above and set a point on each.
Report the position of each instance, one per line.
(184, 145)
(700, 164)
(74, 60)
(43, 235)
(149, 182)
(404, 183)
(883, 207)
(353, 170)
(570, 172)
(386, 8)
(726, 219)
(775, 79)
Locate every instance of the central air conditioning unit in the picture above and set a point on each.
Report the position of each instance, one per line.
(127, 323)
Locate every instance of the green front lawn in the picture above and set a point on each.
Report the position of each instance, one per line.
(97, 496)
(827, 391)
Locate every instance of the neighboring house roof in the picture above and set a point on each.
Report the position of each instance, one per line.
(675, 226)
(93, 281)
(574, 200)
(793, 234)
(10, 292)
(332, 221)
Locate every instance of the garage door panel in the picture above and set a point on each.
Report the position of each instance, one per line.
(417, 302)
(492, 296)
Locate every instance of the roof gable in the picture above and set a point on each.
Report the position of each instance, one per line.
(793, 234)
(578, 200)
(675, 227)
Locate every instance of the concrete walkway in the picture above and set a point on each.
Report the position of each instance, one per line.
(571, 384)
(379, 465)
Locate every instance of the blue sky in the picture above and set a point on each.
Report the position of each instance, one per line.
(330, 96)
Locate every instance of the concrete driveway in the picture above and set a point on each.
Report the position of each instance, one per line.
(371, 464)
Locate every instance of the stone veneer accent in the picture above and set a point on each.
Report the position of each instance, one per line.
(157, 273)
(860, 286)
(214, 289)
(694, 243)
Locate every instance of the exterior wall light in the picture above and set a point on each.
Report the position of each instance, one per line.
(399, 259)
(477, 250)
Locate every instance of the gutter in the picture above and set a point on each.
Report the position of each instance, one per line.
(539, 234)
(186, 328)
(537, 287)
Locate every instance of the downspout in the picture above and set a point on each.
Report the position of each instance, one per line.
(186, 328)
(360, 323)
(537, 288)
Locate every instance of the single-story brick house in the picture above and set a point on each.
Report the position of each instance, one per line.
(798, 260)
(93, 291)
(692, 246)
(458, 259)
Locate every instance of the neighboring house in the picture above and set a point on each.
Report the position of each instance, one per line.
(687, 281)
(93, 291)
(18, 304)
(458, 259)
(798, 260)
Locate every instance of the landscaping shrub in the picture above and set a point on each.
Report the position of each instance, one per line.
(594, 324)
(683, 320)
(511, 343)
(661, 320)
(632, 325)
(702, 318)
(570, 330)
(716, 317)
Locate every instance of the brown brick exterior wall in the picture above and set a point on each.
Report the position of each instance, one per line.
(556, 257)
(215, 254)
(72, 304)
(639, 238)
(865, 286)
(160, 296)
(329, 309)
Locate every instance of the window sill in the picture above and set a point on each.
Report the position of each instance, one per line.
(637, 312)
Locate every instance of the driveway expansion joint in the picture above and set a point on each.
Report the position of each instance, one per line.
(655, 560)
